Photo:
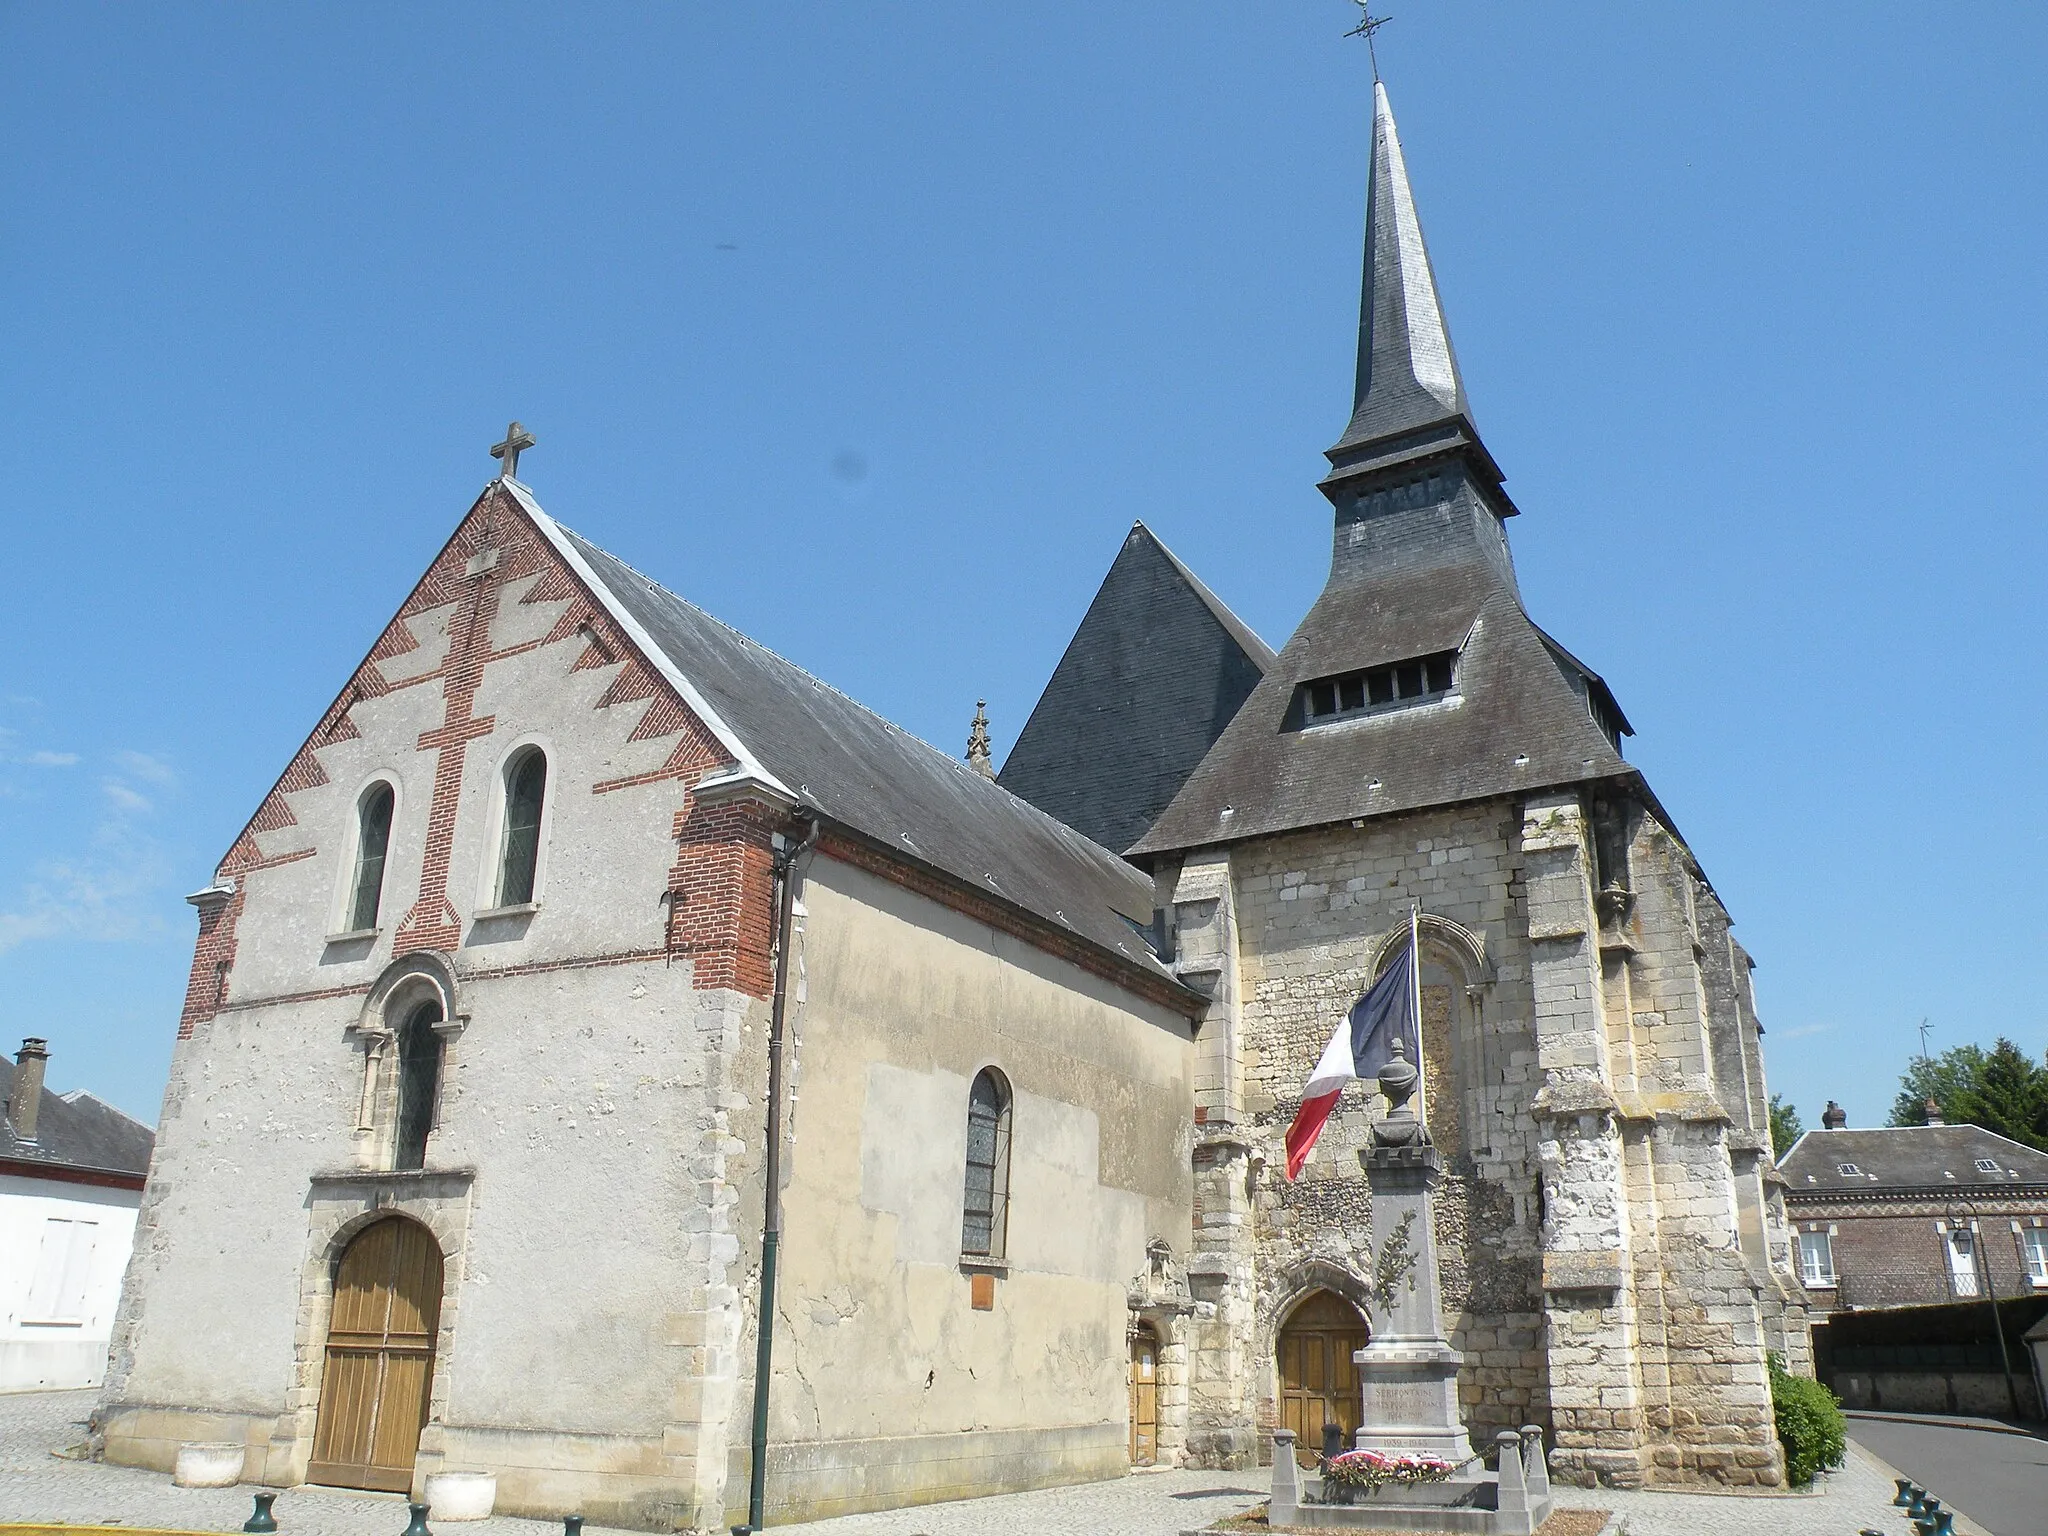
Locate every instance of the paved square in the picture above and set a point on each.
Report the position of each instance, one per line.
(37, 1486)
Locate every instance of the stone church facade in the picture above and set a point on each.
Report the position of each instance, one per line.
(469, 1173)
(466, 1172)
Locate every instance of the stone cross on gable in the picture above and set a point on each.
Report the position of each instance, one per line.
(517, 439)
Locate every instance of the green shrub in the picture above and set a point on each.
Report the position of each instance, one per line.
(1810, 1424)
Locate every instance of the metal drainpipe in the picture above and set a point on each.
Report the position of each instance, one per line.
(771, 1215)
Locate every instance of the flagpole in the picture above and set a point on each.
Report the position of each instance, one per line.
(1415, 968)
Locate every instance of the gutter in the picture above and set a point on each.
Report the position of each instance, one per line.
(71, 1173)
(790, 877)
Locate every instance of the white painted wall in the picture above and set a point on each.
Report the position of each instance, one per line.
(63, 1247)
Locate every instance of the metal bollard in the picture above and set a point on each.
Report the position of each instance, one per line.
(1916, 1505)
(1944, 1524)
(262, 1520)
(1906, 1491)
(572, 1525)
(419, 1521)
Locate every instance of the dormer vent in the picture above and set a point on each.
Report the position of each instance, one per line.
(1374, 690)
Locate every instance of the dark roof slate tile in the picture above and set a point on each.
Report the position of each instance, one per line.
(1891, 1158)
(867, 774)
(1153, 675)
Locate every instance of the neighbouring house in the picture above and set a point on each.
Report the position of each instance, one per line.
(1905, 1216)
(71, 1176)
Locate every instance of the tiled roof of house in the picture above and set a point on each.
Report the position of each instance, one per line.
(1893, 1158)
(76, 1130)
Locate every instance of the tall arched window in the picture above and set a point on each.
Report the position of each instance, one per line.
(986, 1208)
(526, 786)
(373, 838)
(419, 1082)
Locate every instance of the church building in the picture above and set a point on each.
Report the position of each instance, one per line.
(592, 973)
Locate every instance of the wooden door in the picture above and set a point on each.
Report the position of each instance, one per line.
(1318, 1377)
(380, 1358)
(1144, 1398)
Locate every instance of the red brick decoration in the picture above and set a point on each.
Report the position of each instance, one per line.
(721, 885)
(721, 896)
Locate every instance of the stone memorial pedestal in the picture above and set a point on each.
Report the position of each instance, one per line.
(1408, 1373)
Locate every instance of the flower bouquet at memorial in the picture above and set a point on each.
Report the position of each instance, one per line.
(1353, 1472)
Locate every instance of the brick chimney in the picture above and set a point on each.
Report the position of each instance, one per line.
(1832, 1118)
(27, 1097)
(1933, 1113)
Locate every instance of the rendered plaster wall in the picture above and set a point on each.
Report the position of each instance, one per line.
(605, 854)
(44, 1348)
(587, 1262)
(578, 1178)
(890, 1388)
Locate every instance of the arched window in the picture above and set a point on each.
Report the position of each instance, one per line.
(526, 786)
(985, 1214)
(419, 1082)
(373, 838)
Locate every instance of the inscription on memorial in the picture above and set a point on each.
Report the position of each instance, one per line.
(1402, 1402)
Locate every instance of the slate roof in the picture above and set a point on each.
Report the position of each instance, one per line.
(1917, 1157)
(1156, 670)
(1408, 375)
(848, 763)
(1419, 565)
(76, 1130)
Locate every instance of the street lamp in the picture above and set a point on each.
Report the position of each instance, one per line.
(1961, 1218)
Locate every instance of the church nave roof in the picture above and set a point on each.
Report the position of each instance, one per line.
(867, 775)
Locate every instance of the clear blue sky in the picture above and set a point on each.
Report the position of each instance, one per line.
(871, 328)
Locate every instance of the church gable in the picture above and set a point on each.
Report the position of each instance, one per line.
(500, 639)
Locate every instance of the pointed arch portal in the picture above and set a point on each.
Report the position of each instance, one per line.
(380, 1358)
(1318, 1377)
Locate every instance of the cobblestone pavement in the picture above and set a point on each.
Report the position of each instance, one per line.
(36, 1486)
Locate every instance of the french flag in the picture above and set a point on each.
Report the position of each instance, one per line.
(1362, 1045)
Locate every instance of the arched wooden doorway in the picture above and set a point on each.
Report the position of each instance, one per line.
(1318, 1378)
(1144, 1397)
(380, 1358)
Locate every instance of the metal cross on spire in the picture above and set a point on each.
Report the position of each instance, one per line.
(1367, 25)
(517, 439)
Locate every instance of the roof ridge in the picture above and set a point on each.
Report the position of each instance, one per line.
(76, 1094)
(1225, 614)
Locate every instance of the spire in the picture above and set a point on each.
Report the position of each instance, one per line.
(1407, 373)
(979, 756)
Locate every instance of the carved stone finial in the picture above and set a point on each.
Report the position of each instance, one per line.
(979, 757)
(1398, 1078)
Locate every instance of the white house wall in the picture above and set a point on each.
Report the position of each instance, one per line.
(39, 1354)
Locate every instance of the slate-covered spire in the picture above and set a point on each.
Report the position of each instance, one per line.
(1421, 586)
(1407, 371)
